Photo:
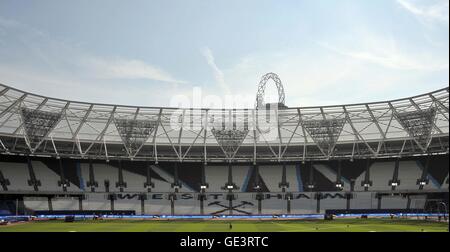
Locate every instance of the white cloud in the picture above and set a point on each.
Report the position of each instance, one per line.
(32, 49)
(128, 69)
(365, 67)
(385, 51)
(434, 10)
(73, 87)
(218, 74)
(373, 68)
(304, 75)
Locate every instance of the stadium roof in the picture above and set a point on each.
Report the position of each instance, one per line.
(32, 124)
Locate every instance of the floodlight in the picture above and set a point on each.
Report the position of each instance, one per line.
(422, 181)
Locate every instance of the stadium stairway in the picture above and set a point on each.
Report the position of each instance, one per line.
(272, 176)
(331, 175)
(408, 174)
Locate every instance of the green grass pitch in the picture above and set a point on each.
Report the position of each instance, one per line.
(338, 225)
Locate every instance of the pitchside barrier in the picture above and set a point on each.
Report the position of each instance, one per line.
(85, 212)
(222, 217)
(375, 211)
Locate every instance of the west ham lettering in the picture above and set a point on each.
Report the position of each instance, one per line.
(232, 207)
(221, 196)
(299, 196)
(127, 196)
(333, 196)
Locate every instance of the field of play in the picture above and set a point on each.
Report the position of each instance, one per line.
(337, 225)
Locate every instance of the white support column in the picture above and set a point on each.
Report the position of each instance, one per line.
(206, 121)
(155, 149)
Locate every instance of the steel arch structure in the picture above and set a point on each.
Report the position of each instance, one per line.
(262, 88)
(32, 124)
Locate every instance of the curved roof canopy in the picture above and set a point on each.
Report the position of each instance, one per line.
(37, 125)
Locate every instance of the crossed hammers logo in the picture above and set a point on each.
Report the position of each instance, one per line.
(234, 208)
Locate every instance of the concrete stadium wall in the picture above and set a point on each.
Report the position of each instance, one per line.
(218, 204)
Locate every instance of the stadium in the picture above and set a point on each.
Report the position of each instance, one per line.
(376, 166)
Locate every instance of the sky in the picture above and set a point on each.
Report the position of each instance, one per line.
(146, 52)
